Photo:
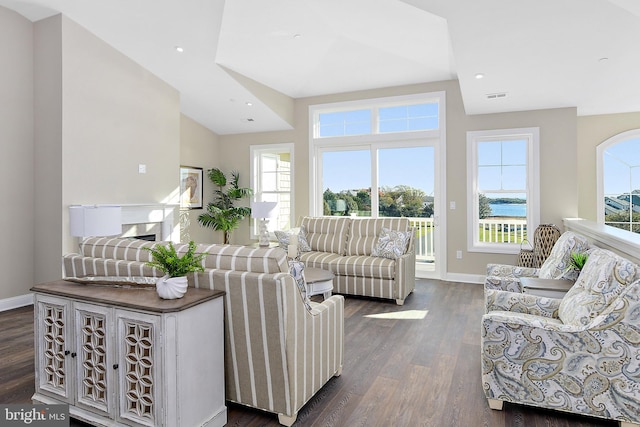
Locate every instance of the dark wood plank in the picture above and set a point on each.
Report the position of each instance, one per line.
(400, 368)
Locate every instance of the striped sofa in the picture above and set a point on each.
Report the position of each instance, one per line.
(278, 351)
(344, 246)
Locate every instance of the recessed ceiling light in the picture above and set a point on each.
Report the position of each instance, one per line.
(179, 49)
(604, 59)
(297, 36)
(249, 104)
(496, 95)
(479, 76)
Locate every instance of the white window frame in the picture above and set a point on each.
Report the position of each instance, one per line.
(256, 151)
(600, 150)
(532, 136)
(371, 141)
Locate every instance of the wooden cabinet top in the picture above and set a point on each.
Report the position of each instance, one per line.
(142, 298)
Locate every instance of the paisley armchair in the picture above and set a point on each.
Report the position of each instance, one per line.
(556, 266)
(580, 354)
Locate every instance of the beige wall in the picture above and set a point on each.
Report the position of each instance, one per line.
(198, 148)
(98, 116)
(559, 197)
(592, 131)
(16, 154)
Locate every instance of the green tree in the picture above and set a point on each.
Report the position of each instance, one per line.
(484, 209)
(221, 214)
(363, 198)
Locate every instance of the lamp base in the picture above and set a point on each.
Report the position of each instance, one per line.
(264, 233)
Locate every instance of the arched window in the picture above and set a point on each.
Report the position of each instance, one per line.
(619, 181)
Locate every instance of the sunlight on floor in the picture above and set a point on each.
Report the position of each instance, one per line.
(402, 315)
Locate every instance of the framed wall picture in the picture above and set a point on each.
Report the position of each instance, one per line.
(190, 187)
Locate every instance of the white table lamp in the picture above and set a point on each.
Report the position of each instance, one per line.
(263, 211)
(95, 220)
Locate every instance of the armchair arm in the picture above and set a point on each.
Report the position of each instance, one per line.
(496, 300)
(406, 270)
(511, 284)
(504, 270)
(507, 277)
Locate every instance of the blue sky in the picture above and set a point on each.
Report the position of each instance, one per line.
(347, 170)
(622, 167)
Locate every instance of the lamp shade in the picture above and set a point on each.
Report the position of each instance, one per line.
(89, 220)
(263, 209)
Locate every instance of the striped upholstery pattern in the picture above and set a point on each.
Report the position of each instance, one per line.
(364, 232)
(327, 234)
(278, 354)
(121, 256)
(356, 271)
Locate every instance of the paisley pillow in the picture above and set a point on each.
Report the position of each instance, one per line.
(296, 268)
(391, 244)
(558, 264)
(285, 236)
(602, 279)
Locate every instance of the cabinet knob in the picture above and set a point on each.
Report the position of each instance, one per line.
(66, 352)
(115, 366)
(73, 354)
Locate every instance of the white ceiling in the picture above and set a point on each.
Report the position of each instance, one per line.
(542, 54)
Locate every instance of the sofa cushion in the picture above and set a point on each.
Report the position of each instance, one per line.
(602, 279)
(557, 265)
(391, 244)
(364, 233)
(327, 234)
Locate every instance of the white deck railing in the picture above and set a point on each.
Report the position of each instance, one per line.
(491, 231)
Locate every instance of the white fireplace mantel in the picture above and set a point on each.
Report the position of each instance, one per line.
(161, 213)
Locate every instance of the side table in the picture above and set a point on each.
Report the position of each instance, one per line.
(319, 281)
(552, 288)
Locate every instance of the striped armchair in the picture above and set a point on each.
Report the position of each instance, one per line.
(279, 351)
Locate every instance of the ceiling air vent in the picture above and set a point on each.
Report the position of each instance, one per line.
(496, 95)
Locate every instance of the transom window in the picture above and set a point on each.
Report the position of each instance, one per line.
(379, 117)
(502, 188)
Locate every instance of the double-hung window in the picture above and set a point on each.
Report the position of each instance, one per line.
(502, 188)
(271, 178)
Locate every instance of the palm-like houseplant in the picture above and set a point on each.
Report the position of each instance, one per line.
(221, 214)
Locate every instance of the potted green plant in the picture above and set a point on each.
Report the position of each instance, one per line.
(165, 258)
(221, 214)
(578, 260)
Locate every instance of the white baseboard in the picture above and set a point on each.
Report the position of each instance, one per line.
(16, 302)
(465, 278)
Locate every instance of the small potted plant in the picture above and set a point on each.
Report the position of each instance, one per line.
(174, 284)
(578, 260)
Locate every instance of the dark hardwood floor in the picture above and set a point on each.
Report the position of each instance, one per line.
(411, 365)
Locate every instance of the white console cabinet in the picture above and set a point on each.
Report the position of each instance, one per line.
(123, 356)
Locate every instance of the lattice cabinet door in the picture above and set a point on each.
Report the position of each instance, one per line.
(139, 368)
(54, 344)
(95, 381)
